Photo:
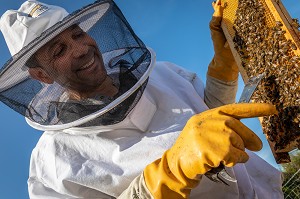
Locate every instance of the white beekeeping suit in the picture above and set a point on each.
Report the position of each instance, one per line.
(101, 161)
(99, 146)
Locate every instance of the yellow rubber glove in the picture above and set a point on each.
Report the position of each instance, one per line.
(223, 65)
(208, 139)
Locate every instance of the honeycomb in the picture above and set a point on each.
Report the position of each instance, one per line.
(265, 39)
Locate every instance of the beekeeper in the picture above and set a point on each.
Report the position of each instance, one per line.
(120, 125)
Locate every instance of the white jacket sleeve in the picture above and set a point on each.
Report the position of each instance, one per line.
(137, 189)
(38, 190)
(50, 178)
(67, 166)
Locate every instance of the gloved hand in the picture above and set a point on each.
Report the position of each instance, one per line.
(208, 139)
(223, 65)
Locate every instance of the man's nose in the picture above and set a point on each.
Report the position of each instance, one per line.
(79, 49)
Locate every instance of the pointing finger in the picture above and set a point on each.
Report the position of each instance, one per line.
(247, 110)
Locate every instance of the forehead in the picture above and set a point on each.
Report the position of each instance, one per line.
(58, 38)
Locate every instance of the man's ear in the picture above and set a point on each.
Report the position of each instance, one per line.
(40, 74)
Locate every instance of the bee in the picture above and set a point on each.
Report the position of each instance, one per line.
(265, 49)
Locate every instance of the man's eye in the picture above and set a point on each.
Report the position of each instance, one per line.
(59, 51)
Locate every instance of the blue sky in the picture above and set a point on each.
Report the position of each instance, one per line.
(176, 30)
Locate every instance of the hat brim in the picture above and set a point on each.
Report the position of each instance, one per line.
(14, 70)
(120, 48)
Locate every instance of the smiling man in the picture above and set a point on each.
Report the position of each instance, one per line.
(116, 123)
(73, 60)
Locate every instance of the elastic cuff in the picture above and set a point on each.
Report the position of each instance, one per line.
(137, 189)
(218, 93)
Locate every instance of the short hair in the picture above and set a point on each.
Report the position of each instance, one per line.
(32, 62)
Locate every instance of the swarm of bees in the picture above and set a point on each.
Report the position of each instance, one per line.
(265, 49)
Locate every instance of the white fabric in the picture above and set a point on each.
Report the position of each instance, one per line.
(137, 190)
(20, 27)
(101, 162)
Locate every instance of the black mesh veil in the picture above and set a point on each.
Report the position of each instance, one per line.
(126, 59)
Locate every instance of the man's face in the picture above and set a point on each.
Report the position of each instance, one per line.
(73, 60)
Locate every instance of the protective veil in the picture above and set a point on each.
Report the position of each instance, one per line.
(48, 106)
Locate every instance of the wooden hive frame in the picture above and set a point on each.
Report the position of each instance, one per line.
(274, 12)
